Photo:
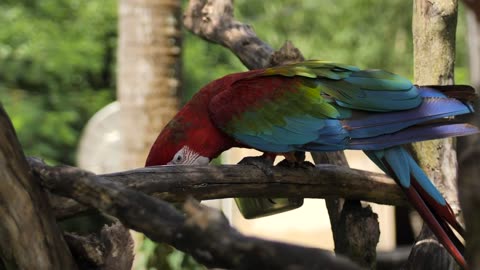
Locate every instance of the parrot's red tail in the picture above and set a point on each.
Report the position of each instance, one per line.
(438, 218)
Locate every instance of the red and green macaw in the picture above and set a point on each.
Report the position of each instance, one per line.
(323, 106)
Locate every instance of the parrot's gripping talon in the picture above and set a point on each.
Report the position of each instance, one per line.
(260, 162)
(296, 165)
(306, 165)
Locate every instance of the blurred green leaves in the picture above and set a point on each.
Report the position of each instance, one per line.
(367, 33)
(56, 70)
(155, 256)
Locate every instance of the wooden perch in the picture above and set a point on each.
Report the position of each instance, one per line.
(30, 238)
(176, 183)
(202, 232)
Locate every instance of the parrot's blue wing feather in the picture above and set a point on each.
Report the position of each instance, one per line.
(365, 124)
(413, 134)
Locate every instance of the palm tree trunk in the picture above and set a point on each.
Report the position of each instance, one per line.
(148, 72)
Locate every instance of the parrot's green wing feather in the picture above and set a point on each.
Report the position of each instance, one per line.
(371, 90)
(282, 108)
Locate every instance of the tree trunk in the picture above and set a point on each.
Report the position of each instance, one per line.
(149, 68)
(469, 152)
(148, 72)
(434, 25)
(30, 238)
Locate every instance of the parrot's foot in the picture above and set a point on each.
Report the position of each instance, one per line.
(260, 207)
(262, 162)
(296, 165)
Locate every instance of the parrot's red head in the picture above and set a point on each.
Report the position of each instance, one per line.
(176, 146)
(190, 138)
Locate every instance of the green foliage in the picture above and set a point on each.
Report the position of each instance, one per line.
(56, 63)
(157, 256)
(198, 54)
(367, 33)
(349, 32)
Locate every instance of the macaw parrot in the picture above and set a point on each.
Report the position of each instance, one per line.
(323, 106)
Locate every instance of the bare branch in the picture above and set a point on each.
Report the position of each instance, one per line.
(112, 249)
(176, 183)
(213, 20)
(203, 232)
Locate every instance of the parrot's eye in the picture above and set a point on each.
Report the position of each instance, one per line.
(178, 158)
(187, 156)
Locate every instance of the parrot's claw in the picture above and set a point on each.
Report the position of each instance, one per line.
(296, 165)
(260, 162)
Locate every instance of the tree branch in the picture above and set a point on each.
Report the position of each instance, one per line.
(203, 232)
(176, 183)
(213, 20)
(109, 249)
(30, 238)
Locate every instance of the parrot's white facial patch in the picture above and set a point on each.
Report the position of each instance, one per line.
(186, 156)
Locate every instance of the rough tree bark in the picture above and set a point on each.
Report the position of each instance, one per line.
(355, 228)
(30, 238)
(214, 21)
(148, 72)
(434, 26)
(200, 231)
(469, 149)
(176, 183)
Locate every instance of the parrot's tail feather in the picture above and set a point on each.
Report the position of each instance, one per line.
(443, 211)
(413, 134)
(460, 92)
(363, 124)
(423, 195)
(439, 228)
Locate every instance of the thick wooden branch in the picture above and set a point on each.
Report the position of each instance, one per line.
(29, 236)
(355, 228)
(109, 249)
(213, 20)
(176, 183)
(202, 232)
